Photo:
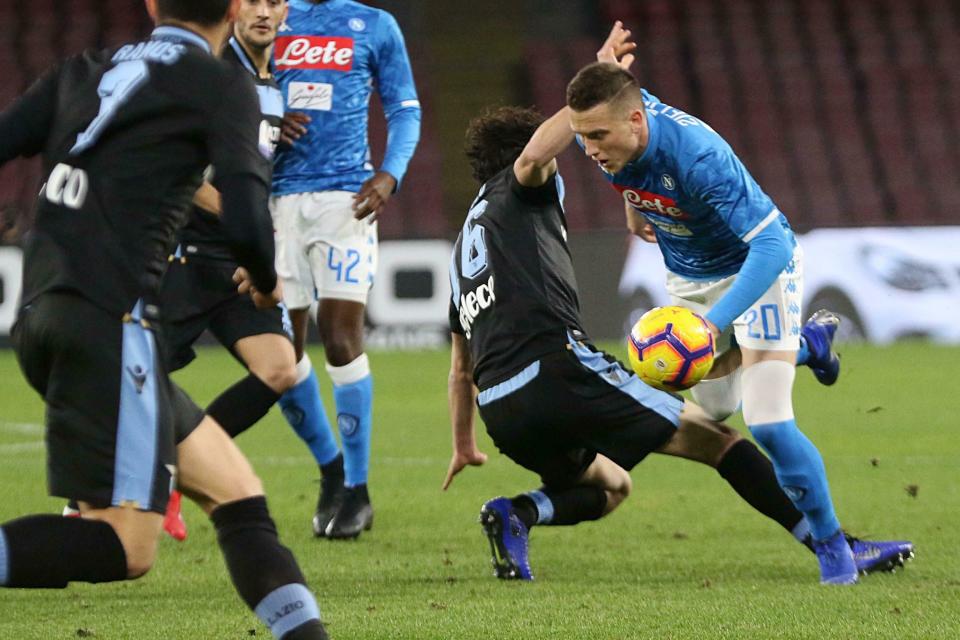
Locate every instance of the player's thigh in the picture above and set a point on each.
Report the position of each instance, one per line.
(292, 243)
(611, 410)
(259, 338)
(212, 469)
(773, 322)
(343, 251)
(528, 428)
(270, 357)
(110, 432)
(700, 438)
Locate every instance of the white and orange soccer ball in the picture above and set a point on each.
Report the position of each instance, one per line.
(671, 348)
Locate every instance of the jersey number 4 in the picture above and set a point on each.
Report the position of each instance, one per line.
(116, 88)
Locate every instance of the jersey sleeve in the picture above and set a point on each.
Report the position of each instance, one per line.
(233, 138)
(24, 126)
(547, 193)
(398, 93)
(718, 179)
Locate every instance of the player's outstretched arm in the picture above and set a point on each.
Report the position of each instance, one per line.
(462, 395)
(24, 126)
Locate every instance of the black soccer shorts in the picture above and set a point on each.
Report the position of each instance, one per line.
(201, 295)
(113, 415)
(559, 412)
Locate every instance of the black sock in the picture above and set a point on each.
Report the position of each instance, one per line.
(265, 572)
(242, 405)
(51, 551)
(334, 468)
(751, 475)
(570, 506)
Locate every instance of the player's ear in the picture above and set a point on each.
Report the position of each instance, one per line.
(152, 9)
(637, 121)
(233, 11)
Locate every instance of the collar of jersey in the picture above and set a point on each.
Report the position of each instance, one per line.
(245, 58)
(168, 32)
(306, 5)
(652, 140)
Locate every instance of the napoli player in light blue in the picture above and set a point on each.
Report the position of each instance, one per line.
(327, 194)
(732, 257)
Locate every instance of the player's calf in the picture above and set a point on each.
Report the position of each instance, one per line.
(48, 551)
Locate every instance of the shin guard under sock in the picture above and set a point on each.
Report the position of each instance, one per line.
(263, 571)
(242, 405)
(49, 552)
(751, 475)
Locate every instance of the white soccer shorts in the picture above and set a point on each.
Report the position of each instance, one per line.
(772, 323)
(322, 250)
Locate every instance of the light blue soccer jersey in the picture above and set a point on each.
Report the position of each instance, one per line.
(329, 58)
(702, 201)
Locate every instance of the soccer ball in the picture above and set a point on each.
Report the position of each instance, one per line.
(670, 348)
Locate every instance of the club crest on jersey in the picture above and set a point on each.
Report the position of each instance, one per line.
(649, 202)
(314, 52)
(357, 24)
(668, 182)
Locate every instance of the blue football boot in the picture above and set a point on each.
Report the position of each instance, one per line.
(819, 331)
(837, 565)
(873, 556)
(508, 540)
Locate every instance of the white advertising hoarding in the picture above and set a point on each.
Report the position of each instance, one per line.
(886, 283)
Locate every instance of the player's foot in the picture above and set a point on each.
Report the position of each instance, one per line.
(509, 539)
(331, 497)
(173, 522)
(881, 555)
(819, 331)
(71, 509)
(354, 515)
(837, 565)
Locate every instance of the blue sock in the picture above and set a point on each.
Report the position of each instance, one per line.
(303, 409)
(804, 353)
(355, 420)
(801, 473)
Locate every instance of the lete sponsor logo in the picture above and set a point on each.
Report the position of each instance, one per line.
(652, 202)
(314, 52)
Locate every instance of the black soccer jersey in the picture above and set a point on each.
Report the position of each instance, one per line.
(126, 135)
(203, 237)
(514, 290)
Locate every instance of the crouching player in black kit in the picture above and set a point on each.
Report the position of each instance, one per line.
(125, 137)
(550, 400)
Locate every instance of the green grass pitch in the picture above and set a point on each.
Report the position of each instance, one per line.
(682, 558)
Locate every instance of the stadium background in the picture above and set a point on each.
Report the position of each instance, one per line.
(846, 111)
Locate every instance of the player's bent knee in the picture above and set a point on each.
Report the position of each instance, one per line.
(719, 397)
(279, 378)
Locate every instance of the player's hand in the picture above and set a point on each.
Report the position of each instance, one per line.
(460, 461)
(293, 127)
(616, 50)
(260, 299)
(714, 331)
(373, 196)
(646, 233)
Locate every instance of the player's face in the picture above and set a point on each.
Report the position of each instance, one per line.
(259, 20)
(612, 135)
